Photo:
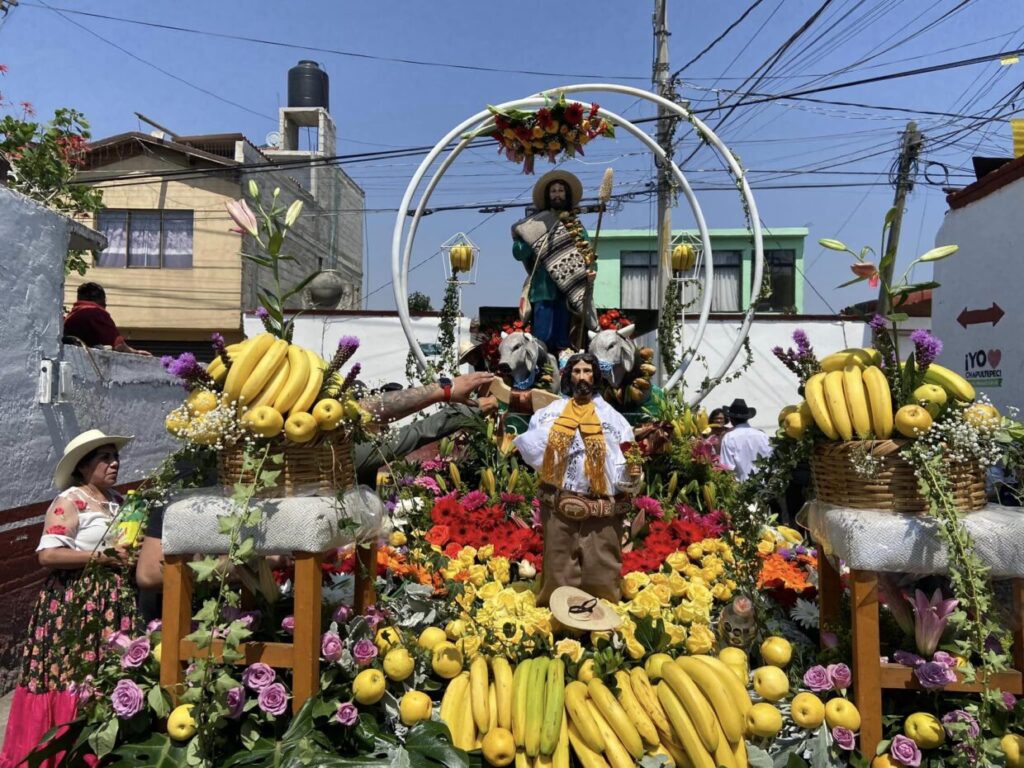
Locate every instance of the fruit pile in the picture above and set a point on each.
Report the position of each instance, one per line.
(273, 388)
(850, 398)
(639, 389)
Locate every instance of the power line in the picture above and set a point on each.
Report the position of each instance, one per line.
(750, 9)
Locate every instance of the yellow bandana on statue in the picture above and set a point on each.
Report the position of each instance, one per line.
(556, 455)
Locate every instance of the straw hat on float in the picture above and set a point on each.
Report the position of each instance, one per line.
(78, 449)
(574, 184)
(573, 608)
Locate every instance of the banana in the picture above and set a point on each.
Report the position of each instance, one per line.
(576, 705)
(836, 399)
(298, 376)
(492, 707)
(453, 700)
(880, 402)
(269, 392)
(862, 358)
(246, 364)
(712, 685)
(502, 672)
(857, 401)
(586, 756)
(644, 692)
(814, 392)
(217, 371)
(313, 384)
(560, 759)
(616, 717)
(478, 686)
(697, 707)
(554, 707)
(644, 725)
(955, 385)
(739, 753)
(520, 686)
(234, 350)
(522, 761)
(731, 682)
(264, 371)
(535, 705)
(615, 751)
(724, 755)
(467, 737)
(684, 727)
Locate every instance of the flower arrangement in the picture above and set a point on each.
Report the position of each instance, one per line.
(560, 128)
(613, 319)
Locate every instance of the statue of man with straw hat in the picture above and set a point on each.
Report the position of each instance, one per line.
(555, 249)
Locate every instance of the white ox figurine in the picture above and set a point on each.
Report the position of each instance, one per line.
(616, 348)
(522, 356)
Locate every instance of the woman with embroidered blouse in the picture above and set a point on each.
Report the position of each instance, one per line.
(88, 596)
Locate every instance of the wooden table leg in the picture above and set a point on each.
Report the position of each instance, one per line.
(306, 639)
(177, 621)
(867, 667)
(830, 592)
(366, 576)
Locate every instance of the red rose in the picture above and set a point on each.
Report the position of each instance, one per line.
(438, 535)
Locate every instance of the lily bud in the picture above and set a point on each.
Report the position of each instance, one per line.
(834, 245)
(940, 253)
(254, 189)
(293, 213)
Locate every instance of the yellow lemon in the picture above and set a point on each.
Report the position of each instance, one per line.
(398, 664)
(431, 637)
(884, 761)
(499, 747)
(808, 711)
(771, 683)
(925, 729)
(300, 427)
(776, 651)
(1013, 748)
(180, 724)
(387, 638)
(369, 686)
(842, 712)
(446, 660)
(763, 720)
(414, 707)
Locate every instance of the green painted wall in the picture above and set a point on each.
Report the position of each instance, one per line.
(613, 242)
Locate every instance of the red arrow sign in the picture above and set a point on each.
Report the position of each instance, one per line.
(975, 316)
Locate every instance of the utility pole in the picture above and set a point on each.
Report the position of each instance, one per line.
(664, 86)
(909, 151)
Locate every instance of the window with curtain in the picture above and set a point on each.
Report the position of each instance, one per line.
(727, 294)
(780, 272)
(638, 280)
(146, 239)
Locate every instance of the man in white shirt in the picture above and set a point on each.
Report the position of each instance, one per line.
(575, 446)
(743, 444)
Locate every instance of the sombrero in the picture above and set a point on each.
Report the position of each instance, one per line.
(77, 450)
(572, 607)
(574, 184)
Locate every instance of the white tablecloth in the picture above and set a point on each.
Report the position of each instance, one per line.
(290, 524)
(875, 540)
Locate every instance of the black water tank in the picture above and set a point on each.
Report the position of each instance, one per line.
(308, 86)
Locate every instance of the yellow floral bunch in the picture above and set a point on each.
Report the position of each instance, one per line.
(781, 536)
(477, 566)
(503, 616)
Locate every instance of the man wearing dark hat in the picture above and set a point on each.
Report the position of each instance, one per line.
(743, 444)
(555, 249)
(574, 444)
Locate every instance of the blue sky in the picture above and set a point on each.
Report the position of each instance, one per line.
(57, 60)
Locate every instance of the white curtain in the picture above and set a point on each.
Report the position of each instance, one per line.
(636, 287)
(114, 225)
(726, 295)
(177, 239)
(144, 240)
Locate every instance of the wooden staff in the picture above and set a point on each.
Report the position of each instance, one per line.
(604, 194)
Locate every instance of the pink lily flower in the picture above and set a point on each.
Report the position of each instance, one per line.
(243, 216)
(930, 619)
(868, 270)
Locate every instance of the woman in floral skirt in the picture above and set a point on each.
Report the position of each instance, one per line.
(88, 595)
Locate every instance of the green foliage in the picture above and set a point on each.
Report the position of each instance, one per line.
(450, 314)
(419, 302)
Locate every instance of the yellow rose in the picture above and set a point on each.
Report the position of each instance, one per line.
(646, 603)
(677, 585)
(572, 649)
(721, 592)
(710, 561)
(708, 574)
(489, 590)
(695, 551)
(485, 553)
(436, 548)
(663, 592)
(510, 632)
(676, 633)
(603, 636)
(677, 561)
(727, 555)
(632, 583)
(467, 555)
(635, 650)
(691, 571)
(700, 640)
(687, 612)
(478, 575)
(659, 578)
(765, 547)
(700, 594)
(499, 568)
(708, 546)
(469, 645)
(465, 600)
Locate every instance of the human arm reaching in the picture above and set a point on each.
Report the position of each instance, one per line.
(391, 406)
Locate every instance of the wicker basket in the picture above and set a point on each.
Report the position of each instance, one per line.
(323, 466)
(893, 487)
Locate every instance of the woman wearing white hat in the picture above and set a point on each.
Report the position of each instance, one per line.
(87, 596)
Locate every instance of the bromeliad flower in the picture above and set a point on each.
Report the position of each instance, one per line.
(930, 619)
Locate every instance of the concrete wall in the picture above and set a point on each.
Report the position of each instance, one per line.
(110, 391)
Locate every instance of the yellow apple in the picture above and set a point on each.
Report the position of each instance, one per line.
(446, 660)
(795, 425)
(736, 660)
(499, 747)
(180, 724)
(786, 410)
(398, 664)
(925, 729)
(414, 707)
(763, 720)
(431, 637)
(1013, 748)
(776, 651)
(264, 420)
(913, 421)
(842, 712)
(771, 683)
(300, 427)
(932, 397)
(369, 686)
(387, 638)
(328, 414)
(982, 416)
(884, 761)
(808, 711)
(158, 650)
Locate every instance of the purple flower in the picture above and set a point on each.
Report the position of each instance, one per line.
(330, 646)
(992, 645)
(803, 344)
(261, 313)
(347, 346)
(219, 346)
(375, 617)
(926, 347)
(650, 507)
(342, 614)
(971, 729)
(154, 626)
(136, 653)
(351, 376)
(429, 484)
(258, 676)
(288, 624)
(896, 600)
(907, 659)
(878, 323)
(235, 700)
(840, 675)
(941, 657)
(930, 619)
(273, 699)
(347, 713)
(119, 641)
(830, 640)
(817, 679)
(185, 366)
(1009, 700)
(364, 651)
(126, 699)
(931, 674)
(474, 500)
(844, 738)
(905, 751)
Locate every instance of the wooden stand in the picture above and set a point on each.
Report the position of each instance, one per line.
(302, 655)
(870, 676)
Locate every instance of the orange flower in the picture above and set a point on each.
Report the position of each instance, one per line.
(438, 535)
(776, 572)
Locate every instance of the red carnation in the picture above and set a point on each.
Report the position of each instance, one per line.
(574, 113)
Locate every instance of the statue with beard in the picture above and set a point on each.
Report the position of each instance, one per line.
(555, 249)
(574, 444)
